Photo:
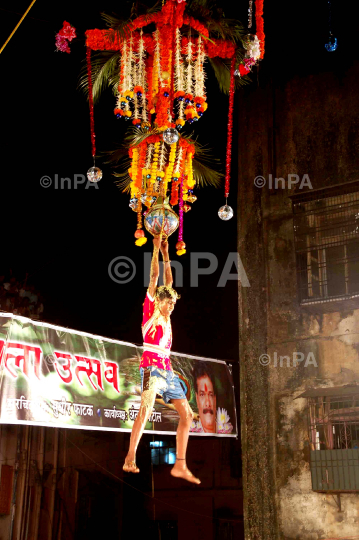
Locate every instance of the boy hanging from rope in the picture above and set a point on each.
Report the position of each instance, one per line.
(157, 376)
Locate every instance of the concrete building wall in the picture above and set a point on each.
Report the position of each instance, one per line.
(305, 126)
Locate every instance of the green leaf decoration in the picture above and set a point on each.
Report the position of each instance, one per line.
(205, 175)
(104, 73)
(222, 72)
(203, 162)
(135, 136)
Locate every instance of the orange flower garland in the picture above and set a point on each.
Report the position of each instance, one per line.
(260, 25)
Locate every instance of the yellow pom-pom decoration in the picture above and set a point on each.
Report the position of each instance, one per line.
(181, 252)
(141, 241)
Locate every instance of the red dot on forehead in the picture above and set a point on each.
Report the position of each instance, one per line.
(205, 388)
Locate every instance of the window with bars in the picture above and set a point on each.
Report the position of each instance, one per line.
(333, 422)
(326, 232)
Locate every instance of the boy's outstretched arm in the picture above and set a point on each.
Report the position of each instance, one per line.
(167, 278)
(155, 270)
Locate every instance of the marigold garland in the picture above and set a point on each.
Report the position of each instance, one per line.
(260, 25)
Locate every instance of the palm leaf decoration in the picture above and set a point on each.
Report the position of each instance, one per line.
(203, 173)
(105, 67)
(202, 164)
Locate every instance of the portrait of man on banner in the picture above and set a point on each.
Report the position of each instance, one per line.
(211, 419)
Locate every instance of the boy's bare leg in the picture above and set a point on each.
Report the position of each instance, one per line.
(180, 469)
(147, 402)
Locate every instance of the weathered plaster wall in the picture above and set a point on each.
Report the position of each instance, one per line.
(310, 126)
(258, 479)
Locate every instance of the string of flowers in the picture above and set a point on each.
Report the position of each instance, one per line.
(147, 171)
(141, 164)
(179, 80)
(179, 74)
(260, 25)
(198, 70)
(230, 129)
(172, 64)
(156, 73)
(161, 165)
(128, 80)
(123, 65)
(92, 120)
(149, 71)
(155, 161)
(178, 166)
(250, 13)
(189, 68)
(190, 180)
(181, 246)
(140, 83)
(132, 171)
(170, 166)
(174, 192)
(139, 234)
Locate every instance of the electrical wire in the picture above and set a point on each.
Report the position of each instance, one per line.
(17, 26)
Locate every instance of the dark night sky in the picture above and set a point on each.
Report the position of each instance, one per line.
(66, 238)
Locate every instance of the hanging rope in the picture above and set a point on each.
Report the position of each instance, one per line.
(17, 26)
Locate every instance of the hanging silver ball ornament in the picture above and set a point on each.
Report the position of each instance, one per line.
(170, 135)
(94, 174)
(225, 212)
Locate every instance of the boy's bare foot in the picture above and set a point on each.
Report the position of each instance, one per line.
(130, 466)
(180, 471)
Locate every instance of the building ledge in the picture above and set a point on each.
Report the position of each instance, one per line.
(331, 304)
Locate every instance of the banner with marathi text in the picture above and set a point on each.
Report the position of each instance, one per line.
(58, 377)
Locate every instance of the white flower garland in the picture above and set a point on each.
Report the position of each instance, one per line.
(179, 72)
(150, 148)
(189, 66)
(178, 161)
(123, 60)
(157, 57)
(141, 79)
(199, 74)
